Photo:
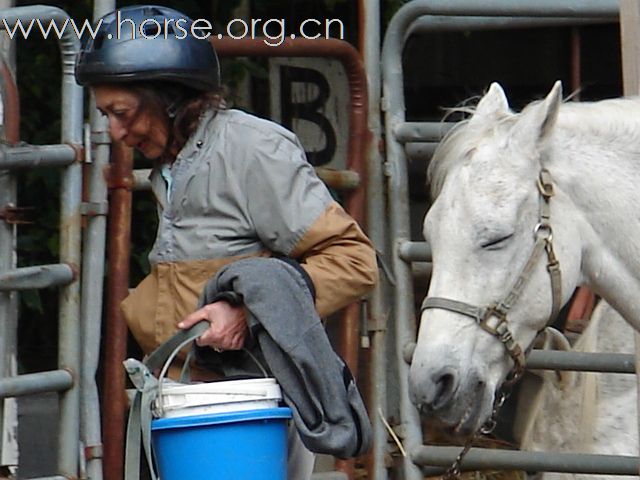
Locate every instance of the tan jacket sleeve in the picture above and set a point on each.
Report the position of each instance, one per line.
(339, 258)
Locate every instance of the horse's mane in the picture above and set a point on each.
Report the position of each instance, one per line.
(606, 119)
(457, 145)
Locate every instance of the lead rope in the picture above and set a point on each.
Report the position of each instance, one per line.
(453, 472)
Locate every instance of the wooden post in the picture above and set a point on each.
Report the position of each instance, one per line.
(630, 46)
(630, 42)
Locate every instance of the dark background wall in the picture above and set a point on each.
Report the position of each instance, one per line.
(448, 69)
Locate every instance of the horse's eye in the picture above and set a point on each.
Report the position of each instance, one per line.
(496, 244)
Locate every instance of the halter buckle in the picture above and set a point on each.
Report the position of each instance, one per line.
(501, 332)
(493, 310)
(545, 184)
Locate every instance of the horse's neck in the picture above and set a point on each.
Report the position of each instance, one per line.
(601, 175)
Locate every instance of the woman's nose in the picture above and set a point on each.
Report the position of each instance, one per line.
(117, 131)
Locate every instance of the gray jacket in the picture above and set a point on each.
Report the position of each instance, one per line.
(239, 186)
(288, 336)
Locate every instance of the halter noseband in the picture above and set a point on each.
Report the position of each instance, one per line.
(493, 318)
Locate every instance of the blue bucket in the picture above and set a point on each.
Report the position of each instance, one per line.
(250, 444)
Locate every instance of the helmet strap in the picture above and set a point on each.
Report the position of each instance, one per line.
(172, 109)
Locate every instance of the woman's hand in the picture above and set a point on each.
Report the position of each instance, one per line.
(227, 329)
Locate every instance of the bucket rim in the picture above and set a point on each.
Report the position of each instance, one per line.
(220, 418)
(244, 386)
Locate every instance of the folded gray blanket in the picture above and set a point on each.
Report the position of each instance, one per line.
(288, 338)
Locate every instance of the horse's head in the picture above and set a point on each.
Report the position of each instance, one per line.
(493, 257)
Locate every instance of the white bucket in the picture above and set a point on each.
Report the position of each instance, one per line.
(180, 400)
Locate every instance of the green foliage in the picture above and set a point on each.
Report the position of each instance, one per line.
(38, 72)
(389, 8)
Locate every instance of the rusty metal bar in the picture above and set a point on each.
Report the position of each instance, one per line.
(576, 67)
(359, 136)
(119, 237)
(343, 180)
(358, 133)
(11, 105)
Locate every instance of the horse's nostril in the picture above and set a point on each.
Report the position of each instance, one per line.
(432, 391)
(445, 385)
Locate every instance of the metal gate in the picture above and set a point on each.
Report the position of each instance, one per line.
(404, 139)
(78, 321)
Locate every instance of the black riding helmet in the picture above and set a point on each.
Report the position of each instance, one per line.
(165, 50)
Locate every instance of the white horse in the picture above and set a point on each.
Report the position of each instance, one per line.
(585, 412)
(526, 207)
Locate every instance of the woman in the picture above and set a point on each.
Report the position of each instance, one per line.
(228, 184)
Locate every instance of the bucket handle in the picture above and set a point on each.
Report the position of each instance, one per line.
(176, 346)
(159, 407)
(139, 424)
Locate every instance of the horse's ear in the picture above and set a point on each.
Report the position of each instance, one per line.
(537, 121)
(492, 105)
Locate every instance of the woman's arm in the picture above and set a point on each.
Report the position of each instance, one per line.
(339, 258)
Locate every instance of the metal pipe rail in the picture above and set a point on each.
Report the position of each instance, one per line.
(418, 151)
(422, 131)
(41, 276)
(444, 23)
(581, 361)
(487, 458)
(29, 156)
(398, 30)
(32, 383)
(48, 478)
(414, 251)
(601, 362)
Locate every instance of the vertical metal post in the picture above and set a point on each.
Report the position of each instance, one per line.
(376, 229)
(70, 326)
(398, 186)
(630, 45)
(119, 247)
(92, 280)
(9, 123)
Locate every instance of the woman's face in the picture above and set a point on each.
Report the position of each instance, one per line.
(132, 122)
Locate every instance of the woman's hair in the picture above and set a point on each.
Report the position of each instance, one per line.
(181, 106)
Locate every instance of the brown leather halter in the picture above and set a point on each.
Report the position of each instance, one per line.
(493, 318)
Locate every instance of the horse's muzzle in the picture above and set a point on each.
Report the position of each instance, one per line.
(459, 402)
